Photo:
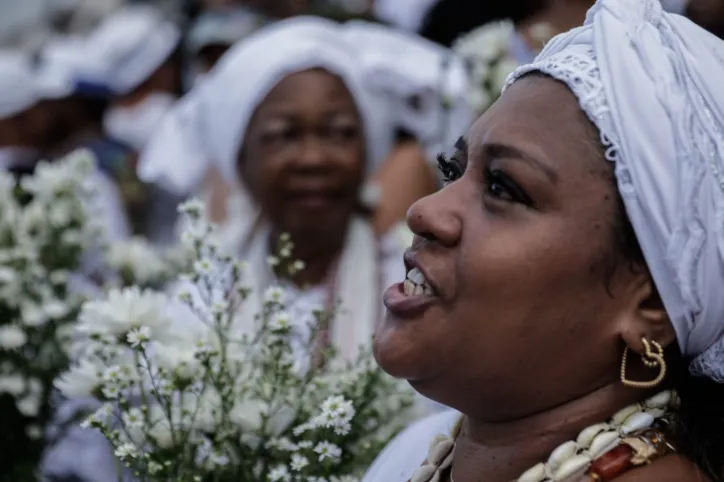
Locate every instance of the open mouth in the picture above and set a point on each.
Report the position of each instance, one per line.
(411, 298)
(416, 284)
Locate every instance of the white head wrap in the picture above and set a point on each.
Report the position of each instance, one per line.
(21, 87)
(404, 67)
(209, 123)
(652, 84)
(129, 46)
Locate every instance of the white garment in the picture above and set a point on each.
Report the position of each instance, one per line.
(652, 83)
(128, 47)
(404, 455)
(426, 85)
(366, 267)
(21, 88)
(135, 124)
(406, 14)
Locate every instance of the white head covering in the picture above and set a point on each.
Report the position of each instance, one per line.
(652, 83)
(20, 86)
(401, 67)
(224, 27)
(406, 14)
(129, 46)
(208, 124)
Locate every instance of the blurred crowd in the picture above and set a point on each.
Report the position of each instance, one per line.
(317, 118)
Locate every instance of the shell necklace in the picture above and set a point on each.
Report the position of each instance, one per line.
(570, 460)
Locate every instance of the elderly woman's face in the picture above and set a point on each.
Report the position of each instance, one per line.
(518, 251)
(303, 156)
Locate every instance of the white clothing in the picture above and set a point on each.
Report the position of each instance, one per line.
(405, 14)
(134, 125)
(21, 88)
(128, 47)
(408, 451)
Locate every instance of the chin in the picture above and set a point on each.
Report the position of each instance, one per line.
(406, 357)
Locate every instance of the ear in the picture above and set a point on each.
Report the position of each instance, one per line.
(645, 316)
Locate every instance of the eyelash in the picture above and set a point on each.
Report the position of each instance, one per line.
(449, 167)
(452, 171)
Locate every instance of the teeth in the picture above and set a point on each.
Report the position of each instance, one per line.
(416, 285)
(409, 287)
(416, 276)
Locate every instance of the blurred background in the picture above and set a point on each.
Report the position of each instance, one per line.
(173, 97)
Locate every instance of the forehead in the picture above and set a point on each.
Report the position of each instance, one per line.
(311, 91)
(539, 114)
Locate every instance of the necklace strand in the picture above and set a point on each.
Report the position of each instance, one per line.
(569, 460)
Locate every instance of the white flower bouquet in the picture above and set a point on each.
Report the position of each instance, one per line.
(486, 51)
(215, 401)
(45, 230)
(139, 263)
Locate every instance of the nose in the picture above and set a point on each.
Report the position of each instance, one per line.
(311, 154)
(437, 218)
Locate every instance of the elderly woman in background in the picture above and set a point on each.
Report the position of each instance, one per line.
(296, 136)
(576, 265)
(285, 118)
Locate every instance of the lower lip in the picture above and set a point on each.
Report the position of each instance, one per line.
(404, 306)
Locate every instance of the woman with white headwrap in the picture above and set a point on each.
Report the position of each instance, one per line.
(575, 262)
(285, 118)
(284, 114)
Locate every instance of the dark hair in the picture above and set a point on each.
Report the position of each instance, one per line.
(698, 427)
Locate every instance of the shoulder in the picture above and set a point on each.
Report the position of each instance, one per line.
(408, 450)
(673, 468)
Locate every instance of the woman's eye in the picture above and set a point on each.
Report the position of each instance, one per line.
(449, 167)
(281, 135)
(499, 186)
(343, 132)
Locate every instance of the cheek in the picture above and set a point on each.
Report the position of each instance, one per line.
(528, 280)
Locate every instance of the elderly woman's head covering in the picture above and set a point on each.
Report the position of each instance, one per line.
(652, 84)
(210, 122)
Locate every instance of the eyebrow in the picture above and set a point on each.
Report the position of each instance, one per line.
(496, 150)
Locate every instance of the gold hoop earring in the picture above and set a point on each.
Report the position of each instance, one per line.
(651, 359)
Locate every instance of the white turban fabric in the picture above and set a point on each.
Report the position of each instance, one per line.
(21, 87)
(130, 46)
(426, 85)
(653, 83)
(209, 123)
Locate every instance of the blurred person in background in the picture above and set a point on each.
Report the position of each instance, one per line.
(136, 53)
(213, 33)
(77, 123)
(25, 117)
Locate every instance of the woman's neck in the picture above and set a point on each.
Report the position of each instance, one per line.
(501, 452)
